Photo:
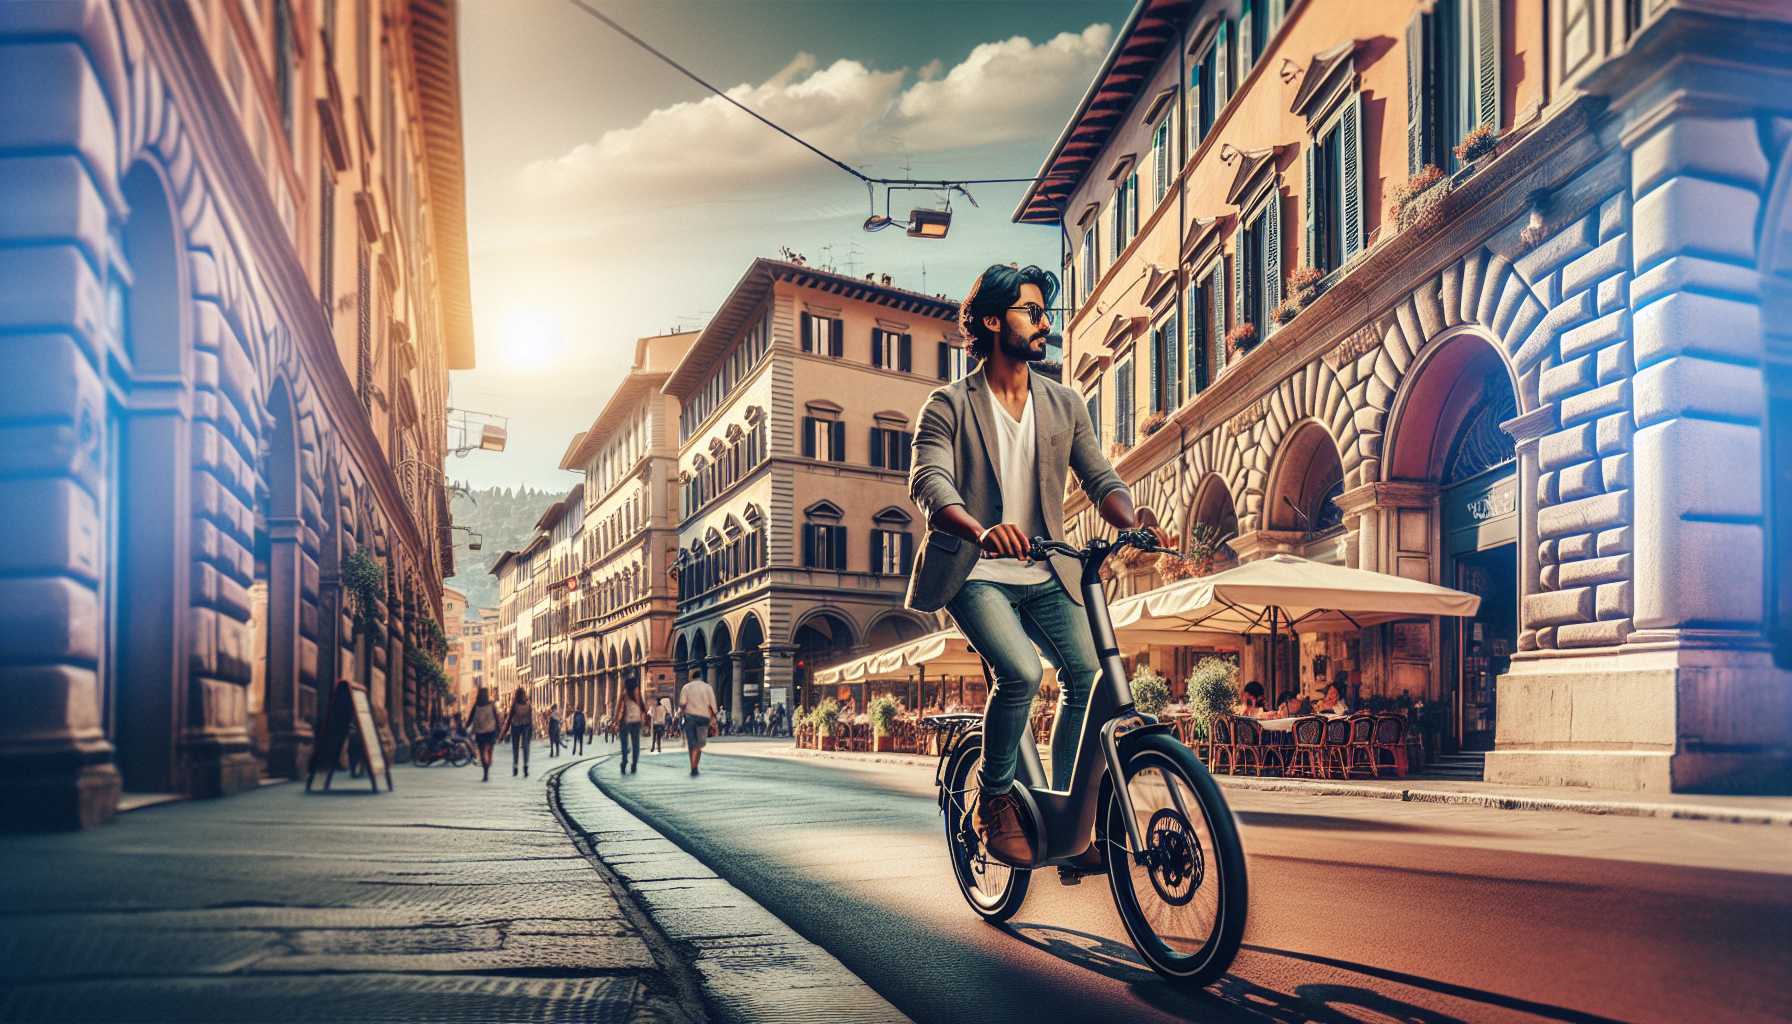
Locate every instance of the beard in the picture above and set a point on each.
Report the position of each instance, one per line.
(1024, 348)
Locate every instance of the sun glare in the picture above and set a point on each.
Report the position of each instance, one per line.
(531, 338)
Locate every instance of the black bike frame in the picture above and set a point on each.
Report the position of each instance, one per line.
(1066, 817)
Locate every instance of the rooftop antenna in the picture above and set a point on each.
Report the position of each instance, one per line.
(852, 259)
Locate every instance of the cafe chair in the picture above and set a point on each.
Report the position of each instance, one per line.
(1361, 745)
(1390, 741)
(1248, 745)
(1309, 747)
(1219, 741)
(1335, 747)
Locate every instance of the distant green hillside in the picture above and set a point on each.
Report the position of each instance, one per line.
(505, 518)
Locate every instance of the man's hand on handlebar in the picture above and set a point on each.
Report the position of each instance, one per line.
(1148, 521)
(1004, 540)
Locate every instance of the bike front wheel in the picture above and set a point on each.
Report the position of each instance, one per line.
(993, 889)
(1184, 898)
(422, 756)
(460, 754)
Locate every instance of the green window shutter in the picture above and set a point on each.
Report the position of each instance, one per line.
(1173, 361)
(908, 551)
(808, 437)
(904, 352)
(1240, 313)
(1217, 297)
(877, 447)
(1420, 93)
(837, 338)
(1157, 358)
(1132, 200)
(1272, 257)
(1222, 67)
(877, 551)
(839, 546)
(1245, 31)
(1350, 157)
(1191, 117)
(1487, 62)
(839, 440)
(877, 347)
(1278, 9)
(808, 544)
(1310, 202)
(945, 361)
(1198, 327)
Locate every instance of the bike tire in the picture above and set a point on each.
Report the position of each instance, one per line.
(421, 756)
(994, 896)
(1191, 852)
(460, 755)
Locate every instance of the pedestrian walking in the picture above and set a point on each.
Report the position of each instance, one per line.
(520, 728)
(482, 722)
(578, 731)
(697, 702)
(661, 710)
(554, 731)
(632, 715)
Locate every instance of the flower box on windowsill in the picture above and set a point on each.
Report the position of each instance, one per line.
(1153, 423)
(1241, 338)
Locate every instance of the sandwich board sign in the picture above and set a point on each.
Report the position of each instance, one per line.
(349, 719)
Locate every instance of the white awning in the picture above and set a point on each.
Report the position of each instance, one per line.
(945, 652)
(1309, 596)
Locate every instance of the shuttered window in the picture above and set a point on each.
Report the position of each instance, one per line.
(824, 546)
(1160, 161)
(890, 449)
(1091, 257)
(1093, 405)
(1206, 87)
(1124, 398)
(1453, 55)
(1257, 266)
(1166, 365)
(891, 350)
(824, 439)
(892, 552)
(822, 335)
(1334, 192)
(953, 361)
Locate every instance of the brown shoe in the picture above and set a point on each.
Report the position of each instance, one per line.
(1002, 825)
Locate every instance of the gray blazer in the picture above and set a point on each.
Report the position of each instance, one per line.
(954, 464)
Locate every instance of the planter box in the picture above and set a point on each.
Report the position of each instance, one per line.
(827, 743)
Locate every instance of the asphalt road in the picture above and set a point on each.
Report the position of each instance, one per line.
(1360, 909)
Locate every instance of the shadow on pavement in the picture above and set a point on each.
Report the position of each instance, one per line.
(1328, 823)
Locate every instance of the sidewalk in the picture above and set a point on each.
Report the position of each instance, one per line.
(447, 899)
(1738, 810)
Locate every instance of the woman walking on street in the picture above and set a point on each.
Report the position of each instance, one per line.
(521, 727)
(632, 715)
(554, 731)
(658, 714)
(578, 731)
(482, 722)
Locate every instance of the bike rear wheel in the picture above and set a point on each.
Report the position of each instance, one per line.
(460, 754)
(993, 889)
(1184, 903)
(422, 756)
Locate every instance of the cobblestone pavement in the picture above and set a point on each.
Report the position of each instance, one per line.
(445, 900)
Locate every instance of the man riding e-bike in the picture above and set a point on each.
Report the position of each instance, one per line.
(990, 456)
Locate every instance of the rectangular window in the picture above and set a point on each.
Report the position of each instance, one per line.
(824, 546)
(892, 552)
(1207, 87)
(1258, 266)
(1160, 161)
(283, 65)
(821, 335)
(1091, 257)
(1124, 398)
(890, 448)
(1453, 55)
(1206, 328)
(1334, 198)
(364, 327)
(891, 350)
(954, 361)
(1126, 214)
(824, 439)
(326, 242)
(1093, 405)
(1166, 364)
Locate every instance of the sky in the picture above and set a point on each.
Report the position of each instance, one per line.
(609, 197)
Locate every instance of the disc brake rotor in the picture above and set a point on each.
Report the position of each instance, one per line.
(1174, 856)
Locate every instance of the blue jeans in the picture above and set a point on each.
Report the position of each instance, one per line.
(1004, 622)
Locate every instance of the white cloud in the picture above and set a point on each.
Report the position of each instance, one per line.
(1003, 91)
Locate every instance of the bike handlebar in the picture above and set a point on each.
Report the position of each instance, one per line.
(1099, 548)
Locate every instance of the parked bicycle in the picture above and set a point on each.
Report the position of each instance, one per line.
(454, 750)
(1169, 841)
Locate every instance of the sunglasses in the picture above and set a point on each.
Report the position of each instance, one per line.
(1035, 312)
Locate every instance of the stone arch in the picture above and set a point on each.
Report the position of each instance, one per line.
(893, 627)
(1436, 392)
(1211, 503)
(1315, 395)
(288, 733)
(1305, 478)
(821, 636)
(681, 659)
(145, 666)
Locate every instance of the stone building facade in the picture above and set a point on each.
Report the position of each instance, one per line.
(1544, 378)
(622, 621)
(232, 280)
(796, 533)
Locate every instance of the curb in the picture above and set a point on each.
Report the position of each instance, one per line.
(750, 965)
(1505, 801)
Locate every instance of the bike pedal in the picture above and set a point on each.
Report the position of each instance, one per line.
(1068, 875)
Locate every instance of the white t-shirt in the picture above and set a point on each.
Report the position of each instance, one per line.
(1018, 476)
(698, 699)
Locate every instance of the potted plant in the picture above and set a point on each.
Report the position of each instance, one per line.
(364, 581)
(1418, 200)
(1150, 691)
(1303, 286)
(1480, 141)
(1241, 338)
(883, 711)
(1285, 311)
(825, 716)
(1212, 690)
(1203, 550)
(1153, 423)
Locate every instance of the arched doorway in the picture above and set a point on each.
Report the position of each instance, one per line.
(1303, 490)
(1447, 433)
(681, 661)
(751, 644)
(820, 640)
(1213, 515)
(143, 665)
(721, 676)
(288, 733)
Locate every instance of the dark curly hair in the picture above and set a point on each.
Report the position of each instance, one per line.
(992, 293)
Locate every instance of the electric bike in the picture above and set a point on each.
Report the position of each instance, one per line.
(1169, 842)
